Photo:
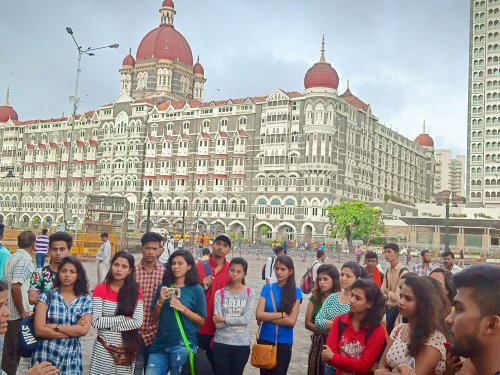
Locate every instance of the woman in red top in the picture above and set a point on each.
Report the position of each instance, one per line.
(356, 339)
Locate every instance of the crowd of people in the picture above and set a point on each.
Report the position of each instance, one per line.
(155, 315)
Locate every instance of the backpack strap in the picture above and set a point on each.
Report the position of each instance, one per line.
(273, 258)
(403, 269)
(207, 268)
(221, 291)
(342, 326)
(248, 292)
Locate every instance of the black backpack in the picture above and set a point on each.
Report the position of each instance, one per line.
(263, 270)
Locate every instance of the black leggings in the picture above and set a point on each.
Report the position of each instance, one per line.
(230, 359)
(283, 359)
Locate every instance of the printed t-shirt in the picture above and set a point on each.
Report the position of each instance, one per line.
(168, 333)
(268, 330)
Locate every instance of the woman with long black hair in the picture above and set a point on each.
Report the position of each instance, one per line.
(277, 311)
(168, 353)
(117, 313)
(62, 316)
(419, 343)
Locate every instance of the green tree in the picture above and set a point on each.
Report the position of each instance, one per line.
(355, 220)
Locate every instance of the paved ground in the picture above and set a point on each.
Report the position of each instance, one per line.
(298, 364)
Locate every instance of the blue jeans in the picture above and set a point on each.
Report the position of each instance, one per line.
(329, 370)
(171, 359)
(40, 259)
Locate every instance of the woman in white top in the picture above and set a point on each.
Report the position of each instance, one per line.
(418, 344)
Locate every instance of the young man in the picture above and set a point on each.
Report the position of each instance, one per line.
(42, 242)
(103, 257)
(18, 272)
(4, 253)
(392, 278)
(269, 268)
(449, 262)
(320, 259)
(475, 321)
(214, 274)
(425, 268)
(148, 274)
(59, 247)
(371, 267)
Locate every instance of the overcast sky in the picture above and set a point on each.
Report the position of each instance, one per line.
(408, 59)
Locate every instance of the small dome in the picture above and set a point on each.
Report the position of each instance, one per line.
(424, 140)
(353, 100)
(321, 74)
(6, 113)
(167, 4)
(198, 68)
(129, 60)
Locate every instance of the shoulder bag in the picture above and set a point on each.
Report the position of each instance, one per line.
(28, 342)
(264, 356)
(196, 363)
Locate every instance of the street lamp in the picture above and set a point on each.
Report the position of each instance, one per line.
(75, 100)
(183, 218)
(148, 221)
(447, 222)
(253, 224)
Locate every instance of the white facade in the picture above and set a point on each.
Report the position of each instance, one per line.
(450, 173)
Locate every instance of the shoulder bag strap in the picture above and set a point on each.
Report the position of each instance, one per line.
(184, 338)
(275, 310)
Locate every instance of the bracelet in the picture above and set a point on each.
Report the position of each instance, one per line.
(56, 328)
(159, 304)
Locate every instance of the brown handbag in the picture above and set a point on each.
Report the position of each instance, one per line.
(264, 356)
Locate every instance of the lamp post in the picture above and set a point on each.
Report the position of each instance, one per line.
(253, 225)
(183, 218)
(447, 226)
(75, 101)
(148, 217)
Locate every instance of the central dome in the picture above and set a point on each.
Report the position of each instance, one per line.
(166, 43)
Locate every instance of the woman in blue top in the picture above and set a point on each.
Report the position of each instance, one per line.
(168, 352)
(277, 324)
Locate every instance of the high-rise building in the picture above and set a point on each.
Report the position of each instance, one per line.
(483, 125)
(257, 165)
(450, 173)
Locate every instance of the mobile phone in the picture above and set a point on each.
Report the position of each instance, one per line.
(411, 363)
(172, 292)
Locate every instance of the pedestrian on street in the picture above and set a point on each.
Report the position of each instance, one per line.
(233, 308)
(277, 311)
(425, 268)
(117, 314)
(62, 317)
(148, 274)
(17, 275)
(42, 242)
(4, 257)
(269, 272)
(168, 353)
(102, 257)
(43, 278)
(214, 274)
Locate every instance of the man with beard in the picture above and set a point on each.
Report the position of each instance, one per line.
(475, 322)
(449, 262)
(425, 268)
(214, 274)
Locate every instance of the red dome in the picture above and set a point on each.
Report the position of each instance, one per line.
(167, 4)
(424, 140)
(129, 60)
(167, 43)
(6, 113)
(321, 74)
(198, 69)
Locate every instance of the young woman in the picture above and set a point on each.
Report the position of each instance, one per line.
(232, 311)
(117, 308)
(67, 319)
(445, 278)
(168, 352)
(357, 338)
(278, 319)
(327, 282)
(418, 343)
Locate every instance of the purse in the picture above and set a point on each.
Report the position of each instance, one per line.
(197, 363)
(118, 353)
(264, 356)
(28, 342)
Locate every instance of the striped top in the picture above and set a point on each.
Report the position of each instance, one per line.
(42, 242)
(104, 318)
